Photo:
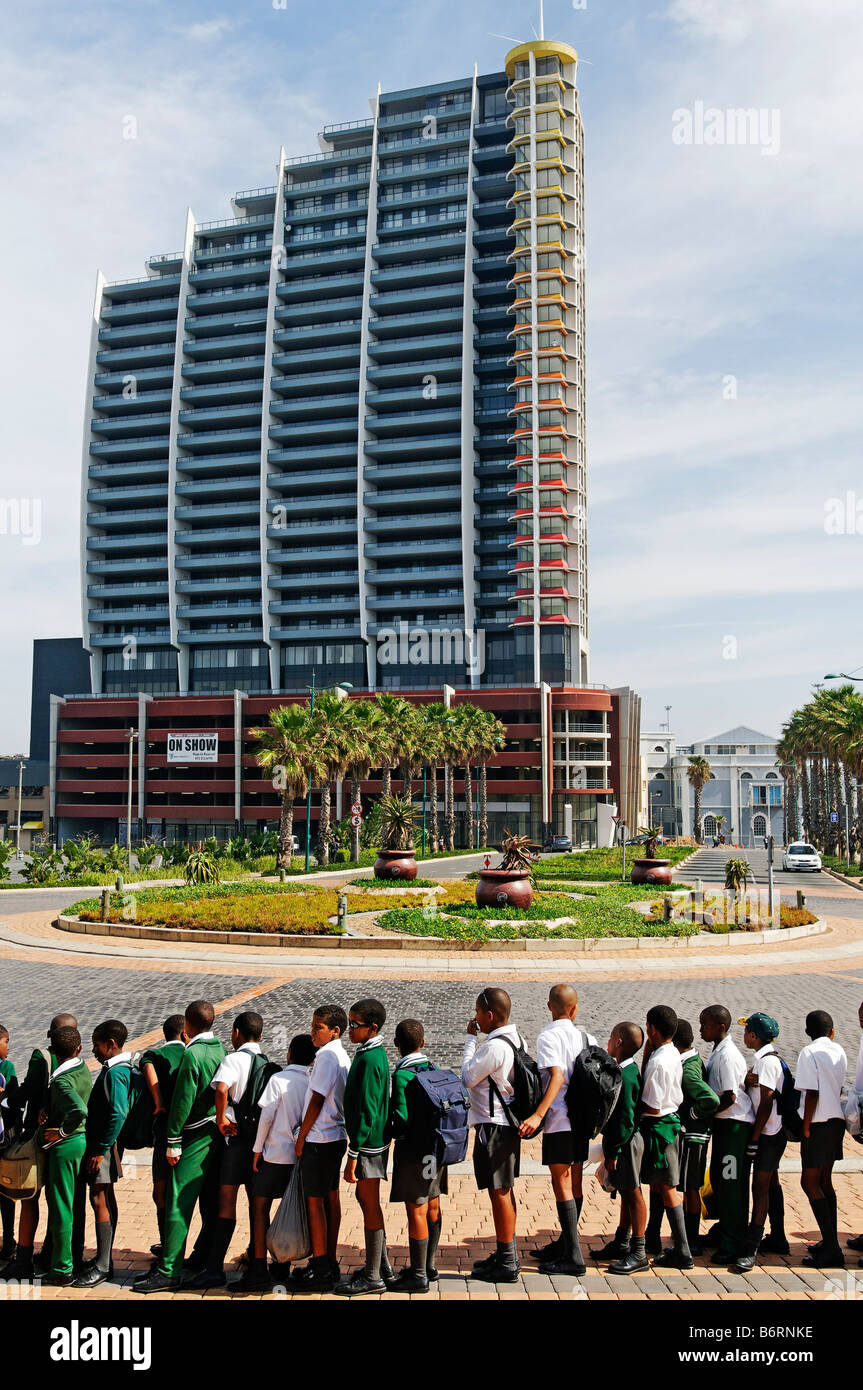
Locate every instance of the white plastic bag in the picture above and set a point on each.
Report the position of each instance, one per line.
(853, 1115)
(288, 1234)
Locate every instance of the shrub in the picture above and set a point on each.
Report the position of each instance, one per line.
(201, 867)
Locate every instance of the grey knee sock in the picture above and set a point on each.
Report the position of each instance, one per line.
(567, 1215)
(676, 1219)
(434, 1241)
(506, 1253)
(374, 1251)
(386, 1267)
(637, 1247)
(419, 1255)
(104, 1245)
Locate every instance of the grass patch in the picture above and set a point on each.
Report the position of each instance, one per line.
(602, 865)
(392, 883)
(840, 866)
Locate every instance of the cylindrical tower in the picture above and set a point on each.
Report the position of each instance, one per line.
(548, 353)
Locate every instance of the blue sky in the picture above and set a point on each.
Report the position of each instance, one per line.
(706, 517)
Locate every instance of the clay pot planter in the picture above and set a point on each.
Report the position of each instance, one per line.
(396, 864)
(651, 871)
(504, 888)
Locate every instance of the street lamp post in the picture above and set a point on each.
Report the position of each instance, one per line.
(131, 735)
(309, 789)
(20, 798)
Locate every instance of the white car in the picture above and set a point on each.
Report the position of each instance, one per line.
(803, 857)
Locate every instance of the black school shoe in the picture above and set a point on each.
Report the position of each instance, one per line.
(855, 1243)
(92, 1277)
(207, 1279)
(825, 1259)
(358, 1285)
(673, 1259)
(155, 1283)
(410, 1282)
(555, 1250)
(630, 1264)
(497, 1273)
(564, 1266)
(611, 1251)
(777, 1245)
(253, 1281)
(306, 1279)
(8, 1251)
(432, 1274)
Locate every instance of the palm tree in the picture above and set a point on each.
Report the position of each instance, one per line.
(472, 725)
(492, 740)
(698, 773)
(367, 747)
(433, 717)
(288, 750)
(451, 750)
(331, 719)
(392, 712)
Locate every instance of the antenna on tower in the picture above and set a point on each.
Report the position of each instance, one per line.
(541, 21)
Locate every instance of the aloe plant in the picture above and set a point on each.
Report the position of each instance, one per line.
(737, 874)
(201, 867)
(519, 852)
(397, 823)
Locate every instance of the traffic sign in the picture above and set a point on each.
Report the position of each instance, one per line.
(356, 821)
(486, 863)
(356, 808)
(834, 817)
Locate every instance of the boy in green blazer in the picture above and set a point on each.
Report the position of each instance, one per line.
(64, 1139)
(367, 1100)
(159, 1067)
(192, 1152)
(107, 1112)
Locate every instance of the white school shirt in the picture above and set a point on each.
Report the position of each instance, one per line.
(558, 1045)
(821, 1067)
(662, 1086)
(768, 1069)
(491, 1060)
(726, 1071)
(282, 1103)
(327, 1078)
(233, 1072)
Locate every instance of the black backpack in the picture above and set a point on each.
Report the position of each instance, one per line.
(528, 1088)
(438, 1106)
(247, 1111)
(137, 1131)
(788, 1102)
(592, 1091)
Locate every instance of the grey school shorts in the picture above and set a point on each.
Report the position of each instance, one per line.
(372, 1166)
(322, 1167)
(627, 1171)
(563, 1147)
(771, 1147)
(669, 1175)
(271, 1179)
(410, 1183)
(496, 1155)
(824, 1145)
(110, 1168)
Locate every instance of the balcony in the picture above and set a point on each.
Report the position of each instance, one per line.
(314, 480)
(308, 408)
(135, 492)
(214, 348)
(139, 614)
(325, 579)
(418, 446)
(247, 437)
(409, 523)
(327, 504)
(241, 509)
(444, 470)
(417, 498)
(219, 535)
(308, 555)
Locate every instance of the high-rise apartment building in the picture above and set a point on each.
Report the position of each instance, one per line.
(344, 428)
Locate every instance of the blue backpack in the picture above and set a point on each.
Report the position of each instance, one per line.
(788, 1102)
(438, 1108)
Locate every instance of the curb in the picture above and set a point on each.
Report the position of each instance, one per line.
(843, 878)
(432, 945)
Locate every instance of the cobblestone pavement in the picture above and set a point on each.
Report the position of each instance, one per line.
(36, 982)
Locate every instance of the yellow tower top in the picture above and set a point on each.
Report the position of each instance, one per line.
(543, 48)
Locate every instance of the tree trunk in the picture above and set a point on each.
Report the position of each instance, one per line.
(387, 780)
(323, 850)
(698, 835)
(407, 781)
(286, 831)
(848, 823)
(806, 790)
(449, 806)
(434, 835)
(860, 815)
(356, 785)
(468, 806)
(483, 805)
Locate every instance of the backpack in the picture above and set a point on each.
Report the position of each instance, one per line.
(438, 1106)
(787, 1103)
(592, 1091)
(528, 1088)
(21, 1169)
(247, 1111)
(137, 1131)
